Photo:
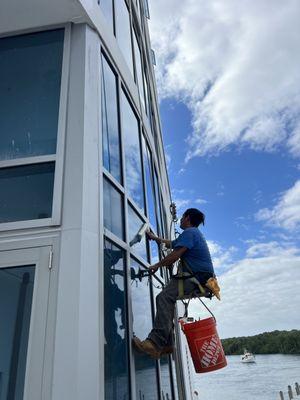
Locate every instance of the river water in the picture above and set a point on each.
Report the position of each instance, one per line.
(260, 381)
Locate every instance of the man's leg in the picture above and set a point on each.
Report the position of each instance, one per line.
(161, 333)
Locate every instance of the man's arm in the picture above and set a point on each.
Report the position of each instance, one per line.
(159, 240)
(169, 259)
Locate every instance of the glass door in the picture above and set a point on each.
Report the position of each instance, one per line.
(24, 286)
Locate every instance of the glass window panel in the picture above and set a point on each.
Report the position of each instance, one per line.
(107, 8)
(162, 215)
(16, 289)
(173, 367)
(138, 9)
(113, 209)
(145, 366)
(149, 185)
(154, 252)
(165, 379)
(30, 70)
(137, 240)
(115, 349)
(139, 70)
(146, 94)
(152, 119)
(110, 122)
(123, 32)
(158, 205)
(164, 360)
(154, 257)
(26, 192)
(131, 140)
(164, 218)
(146, 8)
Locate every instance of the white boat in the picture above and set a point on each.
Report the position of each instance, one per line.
(248, 357)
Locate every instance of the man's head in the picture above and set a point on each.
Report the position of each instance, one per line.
(192, 217)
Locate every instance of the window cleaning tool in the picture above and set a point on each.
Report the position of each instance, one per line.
(139, 235)
(204, 343)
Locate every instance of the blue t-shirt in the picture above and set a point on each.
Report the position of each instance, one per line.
(197, 255)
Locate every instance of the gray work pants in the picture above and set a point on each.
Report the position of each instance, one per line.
(162, 332)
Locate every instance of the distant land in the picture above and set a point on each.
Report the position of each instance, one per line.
(276, 342)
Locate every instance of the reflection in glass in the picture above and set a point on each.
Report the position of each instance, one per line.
(145, 366)
(26, 192)
(131, 140)
(30, 70)
(154, 252)
(165, 379)
(116, 357)
(139, 70)
(107, 8)
(149, 185)
(113, 209)
(110, 124)
(123, 32)
(173, 368)
(16, 289)
(136, 232)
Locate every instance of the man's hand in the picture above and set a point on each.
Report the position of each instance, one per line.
(153, 268)
(151, 236)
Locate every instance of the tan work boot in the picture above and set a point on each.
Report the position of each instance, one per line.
(167, 350)
(146, 346)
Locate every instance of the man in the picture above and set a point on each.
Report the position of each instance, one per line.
(192, 249)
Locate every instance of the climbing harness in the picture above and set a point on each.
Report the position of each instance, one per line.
(196, 294)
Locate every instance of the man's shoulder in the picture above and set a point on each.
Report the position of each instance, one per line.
(193, 231)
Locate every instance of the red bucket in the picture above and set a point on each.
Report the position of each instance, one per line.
(205, 345)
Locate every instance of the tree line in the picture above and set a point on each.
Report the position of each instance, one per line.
(283, 342)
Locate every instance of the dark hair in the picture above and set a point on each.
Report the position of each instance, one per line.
(196, 216)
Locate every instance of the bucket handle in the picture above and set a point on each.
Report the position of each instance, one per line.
(186, 306)
(207, 309)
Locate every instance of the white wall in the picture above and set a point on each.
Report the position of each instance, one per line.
(76, 358)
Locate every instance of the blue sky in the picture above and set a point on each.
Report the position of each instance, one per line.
(228, 81)
(233, 185)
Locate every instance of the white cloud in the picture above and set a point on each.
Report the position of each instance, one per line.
(188, 201)
(200, 201)
(270, 249)
(259, 293)
(221, 257)
(294, 141)
(236, 65)
(182, 203)
(286, 213)
(168, 159)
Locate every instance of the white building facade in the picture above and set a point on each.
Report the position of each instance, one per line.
(82, 173)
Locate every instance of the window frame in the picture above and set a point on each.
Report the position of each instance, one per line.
(106, 237)
(147, 125)
(119, 119)
(130, 67)
(134, 258)
(39, 351)
(118, 188)
(58, 157)
(150, 163)
(124, 91)
(140, 81)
